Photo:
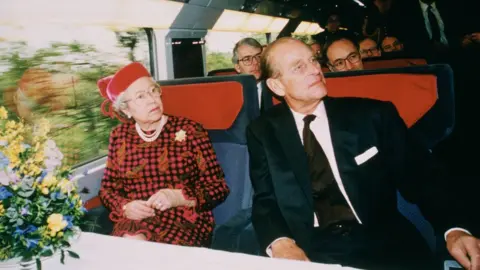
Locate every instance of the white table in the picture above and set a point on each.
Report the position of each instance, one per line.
(106, 252)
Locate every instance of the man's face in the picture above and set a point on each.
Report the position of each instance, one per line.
(299, 75)
(316, 49)
(369, 48)
(391, 44)
(249, 61)
(343, 56)
(333, 23)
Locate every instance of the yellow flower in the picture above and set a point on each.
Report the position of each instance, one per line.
(3, 113)
(65, 186)
(2, 209)
(56, 223)
(45, 191)
(38, 156)
(49, 180)
(180, 136)
(42, 128)
(10, 125)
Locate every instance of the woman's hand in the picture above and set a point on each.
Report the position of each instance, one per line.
(138, 210)
(168, 198)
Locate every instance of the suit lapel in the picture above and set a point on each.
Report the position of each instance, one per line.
(267, 101)
(421, 19)
(289, 138)
(345, 142)
(345, 146)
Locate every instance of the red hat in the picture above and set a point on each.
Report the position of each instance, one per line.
(112, 86)
(103, 84)
(122, 80)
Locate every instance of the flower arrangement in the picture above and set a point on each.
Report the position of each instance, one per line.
(40, 209)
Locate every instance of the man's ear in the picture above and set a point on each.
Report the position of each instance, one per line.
(237, 68)
(276, 86)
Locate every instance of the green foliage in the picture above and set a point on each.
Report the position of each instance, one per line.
(79, 128)
(306, 39)
(218, 60)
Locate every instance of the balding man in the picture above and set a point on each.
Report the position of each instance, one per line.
(343, 54)
(369, 48)
(325, 173)
(391, 44)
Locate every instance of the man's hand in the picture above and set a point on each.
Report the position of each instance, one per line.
(138, 210)
(475, 37)
(465, 249)
(466, 41)
(287, 249)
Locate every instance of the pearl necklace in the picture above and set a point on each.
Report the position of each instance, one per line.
(151, 137)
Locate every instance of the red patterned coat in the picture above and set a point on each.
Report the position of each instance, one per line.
(182, 157)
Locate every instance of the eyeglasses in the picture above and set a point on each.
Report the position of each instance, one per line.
(396, 46)
(141, 97)
(369, 52)
(248, 60)
(341, 63)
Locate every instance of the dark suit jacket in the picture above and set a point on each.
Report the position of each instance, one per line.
(267, 96)
(282, 203)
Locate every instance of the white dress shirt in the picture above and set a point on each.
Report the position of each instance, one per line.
(259, 93)
(321, 130)
(443, 37)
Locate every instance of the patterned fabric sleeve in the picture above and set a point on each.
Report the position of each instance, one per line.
(111, 189)
(210, 188)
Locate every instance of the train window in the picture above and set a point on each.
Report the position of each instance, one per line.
(305, 38)
(220, 45)
(187, 57)
(51, 72)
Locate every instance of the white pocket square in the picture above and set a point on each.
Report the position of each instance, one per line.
(360, 159)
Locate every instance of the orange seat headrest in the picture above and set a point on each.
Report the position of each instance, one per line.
(412, 94)
(215, 105)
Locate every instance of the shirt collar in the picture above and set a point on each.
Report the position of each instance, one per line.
(425, 6)
(318, 112)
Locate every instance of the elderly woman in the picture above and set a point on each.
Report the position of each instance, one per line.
(162, 178)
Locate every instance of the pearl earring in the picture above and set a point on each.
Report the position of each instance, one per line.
(129, 115)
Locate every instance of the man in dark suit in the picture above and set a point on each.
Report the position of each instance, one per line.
(433, 27)
(325, 173)
(246, 60)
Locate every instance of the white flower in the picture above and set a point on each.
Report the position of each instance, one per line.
(180, 136)
(53, 156)
(7, 176)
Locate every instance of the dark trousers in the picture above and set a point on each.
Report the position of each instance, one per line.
(350, 244)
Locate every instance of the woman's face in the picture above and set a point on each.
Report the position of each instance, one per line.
(143, 99)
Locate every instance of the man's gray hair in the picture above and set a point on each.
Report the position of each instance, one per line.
(245, 41)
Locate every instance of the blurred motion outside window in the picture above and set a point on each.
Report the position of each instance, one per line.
(51, 72)
(220, 46)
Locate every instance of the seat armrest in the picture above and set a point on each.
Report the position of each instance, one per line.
(237, 234)
(97, 221)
